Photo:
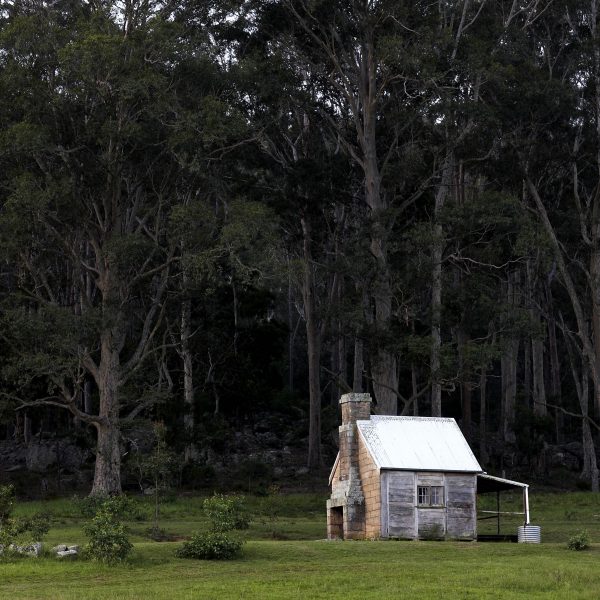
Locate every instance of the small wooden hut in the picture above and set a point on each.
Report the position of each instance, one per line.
(405, 477)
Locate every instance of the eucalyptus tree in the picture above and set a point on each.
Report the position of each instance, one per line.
(303, 182)
(88, 184)
(374, 59)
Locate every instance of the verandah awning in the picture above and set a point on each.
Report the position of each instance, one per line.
(488, 483)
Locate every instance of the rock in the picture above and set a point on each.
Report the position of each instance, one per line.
(302, 471)
(40, 457)
(60, 548)
(67, 554)
(14, 468)
(44, 455)
(72, 457)
(74, 548)
(34, 549)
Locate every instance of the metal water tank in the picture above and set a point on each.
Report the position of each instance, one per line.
(529, 534)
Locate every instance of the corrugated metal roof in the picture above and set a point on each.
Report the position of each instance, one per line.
(418, 444)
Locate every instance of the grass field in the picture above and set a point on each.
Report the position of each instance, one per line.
(300, 564)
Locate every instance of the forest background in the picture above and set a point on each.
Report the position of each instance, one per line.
(220, 215)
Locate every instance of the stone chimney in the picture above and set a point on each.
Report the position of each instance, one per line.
(346, 508)
(354, 407)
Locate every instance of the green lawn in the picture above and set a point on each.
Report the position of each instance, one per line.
(306, 566)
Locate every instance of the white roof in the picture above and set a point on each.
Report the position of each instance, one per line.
(418, 444)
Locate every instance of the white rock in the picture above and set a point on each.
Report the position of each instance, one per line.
(67, 553)
(34, 549)
(60, 548)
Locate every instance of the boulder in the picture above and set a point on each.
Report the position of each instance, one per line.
(67, 554)
(60, 548)
(72, 457)
(34, 549)
(40, 457)
(44, 455)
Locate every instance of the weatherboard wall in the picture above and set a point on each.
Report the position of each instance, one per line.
(402, 518)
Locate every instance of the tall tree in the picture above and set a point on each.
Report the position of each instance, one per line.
(98, 176)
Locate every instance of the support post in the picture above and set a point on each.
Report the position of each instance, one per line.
(526, 502)
(498, 510)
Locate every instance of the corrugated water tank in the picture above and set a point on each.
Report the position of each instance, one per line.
(529, 534)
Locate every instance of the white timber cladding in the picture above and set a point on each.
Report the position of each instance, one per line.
(418, 444)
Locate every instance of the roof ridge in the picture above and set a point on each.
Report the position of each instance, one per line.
(409, 418)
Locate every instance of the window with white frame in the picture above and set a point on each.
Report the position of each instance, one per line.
(430, 495)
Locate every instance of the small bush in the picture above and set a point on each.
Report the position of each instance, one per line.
(121, 506)
(20, 531)
(579, 541)
(108, 541)
(7, 502)
(211, 545)
(226, 512)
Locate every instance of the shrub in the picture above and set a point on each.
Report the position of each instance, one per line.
(121, 506)
(20, 531)
(211, 545)
(579, 541)
(226, 512)
(7, 502)
(108, 540)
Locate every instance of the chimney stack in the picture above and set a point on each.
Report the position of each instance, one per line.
(347, 494)
(355, 407)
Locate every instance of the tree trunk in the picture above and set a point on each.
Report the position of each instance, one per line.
(359, 366)
(384, 369)
(415, 390)
(554, 387)
(384, 364)
(107, 476)
(437, 252)
(539, 387)
(537, 342)
(581, 380)
(190, 452)
(291, 327)
(590, 466)
(462, 339)
(313, 350)
(509, 361)
(483, 455)
(527, 375)
(595, 293)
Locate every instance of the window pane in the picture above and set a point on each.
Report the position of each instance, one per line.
(437, 495)
(423, 494)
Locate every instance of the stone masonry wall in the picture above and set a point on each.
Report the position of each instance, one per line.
(371, 485)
